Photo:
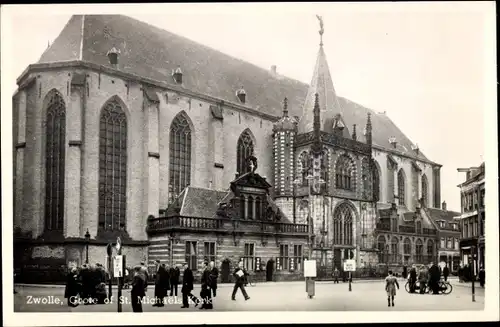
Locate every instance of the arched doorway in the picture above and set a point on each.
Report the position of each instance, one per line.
(225, 271)
(269, 270)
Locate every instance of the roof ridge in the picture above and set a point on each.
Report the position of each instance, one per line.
(207, 47)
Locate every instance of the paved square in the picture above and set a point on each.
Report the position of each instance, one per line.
(285, 296)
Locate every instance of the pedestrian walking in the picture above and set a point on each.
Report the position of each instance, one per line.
(161, 284)
(434, 276)
(214, 275)
(446, 272)
(336, 274)
(239, 274)
(413, 279)
(460, 274)
(391, 282)
(206, 292)
(187, 287)
(72, 287)
(482, 276)
(174, 274)
(138, 289)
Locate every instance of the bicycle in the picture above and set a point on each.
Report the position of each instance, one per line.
(444, 287)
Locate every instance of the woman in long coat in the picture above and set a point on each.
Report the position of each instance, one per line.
(391, 283)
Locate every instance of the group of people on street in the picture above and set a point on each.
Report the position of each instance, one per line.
(426, 277)
(465, 274)
(86, 284)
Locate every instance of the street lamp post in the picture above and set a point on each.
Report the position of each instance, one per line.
(87, 241)
(387, 258)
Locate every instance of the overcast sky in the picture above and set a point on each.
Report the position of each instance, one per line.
(424, 64)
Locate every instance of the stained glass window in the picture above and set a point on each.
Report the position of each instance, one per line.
(401, 187)
(376, 183)
(112, 167)
(180, 156)
(245, 149)
(394, 249)
(55, 161)
(342, 225)
(303, 167)
(419, 250)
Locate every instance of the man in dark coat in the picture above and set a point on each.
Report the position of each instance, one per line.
(161, 284)
(413, 279)
(86, 279)
(174, 274)
(187, 287)
(405, 272)
(434, 276)
(138, 289)
(446, 272)
(214, 274)
(72, 288)
(239, 274)
(206, 292)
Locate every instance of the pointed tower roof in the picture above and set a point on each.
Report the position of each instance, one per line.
(321, 84)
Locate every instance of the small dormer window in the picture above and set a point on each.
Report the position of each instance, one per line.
(113, 56)
(241, 94)
(393, 141)
(415, 148)
(177, 75)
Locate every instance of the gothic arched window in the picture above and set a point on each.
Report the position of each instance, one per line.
(425, 190)
(245, 149)
(394, 249)
(304, 166)
(401, 187)
(180, 155)
(419, 250)
(112, 167)
(343, 173)
(55, 152)
(342, 224)
(376, 182)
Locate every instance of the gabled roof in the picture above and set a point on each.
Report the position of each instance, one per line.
(446, 215)
(154, 53)
(201, 202)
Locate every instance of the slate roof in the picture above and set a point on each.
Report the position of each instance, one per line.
(151, 52)
(438, 214)
(201, 202)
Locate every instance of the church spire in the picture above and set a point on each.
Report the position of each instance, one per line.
(321, 83)
(368, 129)
(316, 147)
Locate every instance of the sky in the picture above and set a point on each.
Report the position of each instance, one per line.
(426, 65)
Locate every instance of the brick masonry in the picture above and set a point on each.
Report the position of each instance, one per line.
(214, 141)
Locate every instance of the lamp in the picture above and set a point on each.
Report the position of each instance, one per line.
(87, 241)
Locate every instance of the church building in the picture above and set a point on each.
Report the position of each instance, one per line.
(122, 129)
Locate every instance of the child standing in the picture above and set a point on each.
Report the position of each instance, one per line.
(391, 283)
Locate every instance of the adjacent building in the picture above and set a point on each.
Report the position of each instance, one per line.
(125, 130)
(473, 217)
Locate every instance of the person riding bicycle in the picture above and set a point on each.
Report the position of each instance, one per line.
(412, 279)
(423, 277)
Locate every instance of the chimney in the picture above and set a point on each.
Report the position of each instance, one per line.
(273, 69)
(443, 205)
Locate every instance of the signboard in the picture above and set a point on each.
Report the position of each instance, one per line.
(118, 266)
(350, 265)
(309, 268)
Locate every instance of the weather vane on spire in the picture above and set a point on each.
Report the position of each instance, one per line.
(321, 31)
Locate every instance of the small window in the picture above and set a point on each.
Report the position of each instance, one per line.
(249, 257)
(297, 254)
(191, 257)
(284, 256)
(209, 251)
